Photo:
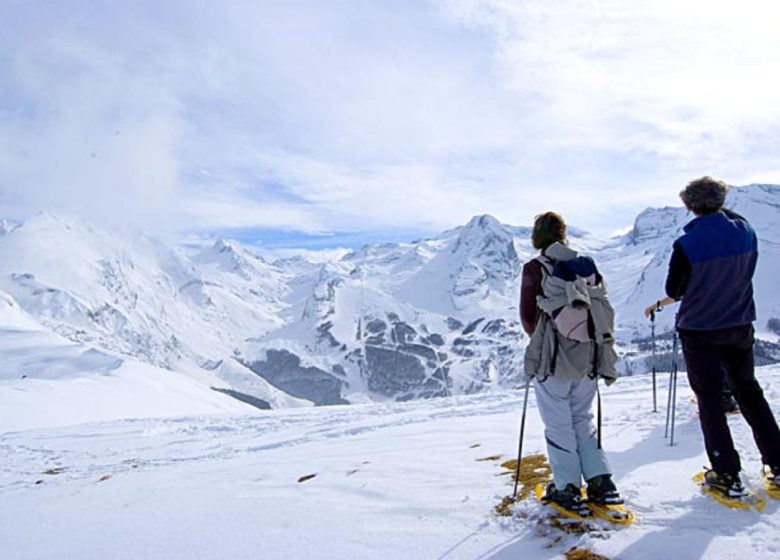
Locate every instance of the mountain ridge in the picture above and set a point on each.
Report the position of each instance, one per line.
(433, 317)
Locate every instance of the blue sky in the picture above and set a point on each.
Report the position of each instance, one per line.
(344, 122)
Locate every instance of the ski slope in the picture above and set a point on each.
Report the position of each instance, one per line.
(393, 480)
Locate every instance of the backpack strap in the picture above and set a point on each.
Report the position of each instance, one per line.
(547, 264)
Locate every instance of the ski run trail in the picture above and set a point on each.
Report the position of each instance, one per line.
(416, 480)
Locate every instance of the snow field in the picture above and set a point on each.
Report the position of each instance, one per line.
(400, 480)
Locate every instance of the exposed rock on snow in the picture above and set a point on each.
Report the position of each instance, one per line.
(283, 370)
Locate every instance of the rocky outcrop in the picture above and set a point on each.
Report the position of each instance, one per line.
(243, 397)
(402, 362)
(283, 370)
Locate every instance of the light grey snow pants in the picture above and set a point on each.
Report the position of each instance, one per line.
(565, 406)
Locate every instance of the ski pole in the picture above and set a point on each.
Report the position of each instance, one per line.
(655, 360)
(520, 441)
(674, 394)
(669, 402)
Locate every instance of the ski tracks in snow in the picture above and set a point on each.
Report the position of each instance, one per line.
(122, 446)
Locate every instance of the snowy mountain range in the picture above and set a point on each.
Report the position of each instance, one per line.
(387, 322)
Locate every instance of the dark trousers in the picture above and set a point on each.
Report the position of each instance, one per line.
(707, 355)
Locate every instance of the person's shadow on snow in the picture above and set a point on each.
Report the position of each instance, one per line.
(654, 447)
(689, 536)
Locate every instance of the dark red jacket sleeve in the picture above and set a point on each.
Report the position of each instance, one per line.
(530, 288)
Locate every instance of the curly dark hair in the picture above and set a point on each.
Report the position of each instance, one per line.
(548, 229)
(704, 196)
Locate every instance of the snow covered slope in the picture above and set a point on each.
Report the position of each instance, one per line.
(45, 380)
(413, 481)
(135, 296)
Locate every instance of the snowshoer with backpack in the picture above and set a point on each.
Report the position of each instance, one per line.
(565, 310)
(711, 272)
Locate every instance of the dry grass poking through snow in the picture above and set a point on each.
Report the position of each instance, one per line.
(534, 469)
(582, 554)
(490, 458)
(504, 509)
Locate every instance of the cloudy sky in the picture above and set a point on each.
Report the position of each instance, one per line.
(336, 122)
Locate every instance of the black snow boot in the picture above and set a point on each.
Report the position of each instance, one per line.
(773, 477)
(727, 484)
(602, 491)
(570, 498)
(728, 403)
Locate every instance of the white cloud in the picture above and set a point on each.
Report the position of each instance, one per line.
(690, 82)
(374, 197)
(91, 133)
(354, 116)
(223, 209)
(121, 110)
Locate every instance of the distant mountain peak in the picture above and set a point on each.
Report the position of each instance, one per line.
(47, 220)
(766, 187)
(481, 231)
(223, 245)
(655, 223)
(485, 222)
(230, 256)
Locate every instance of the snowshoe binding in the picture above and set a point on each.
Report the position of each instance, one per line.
(605, 501)
(568, 502)
(602, 491)
(728, 490)
(772, 482)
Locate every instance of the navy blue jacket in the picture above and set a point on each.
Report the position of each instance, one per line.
(712, 270)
